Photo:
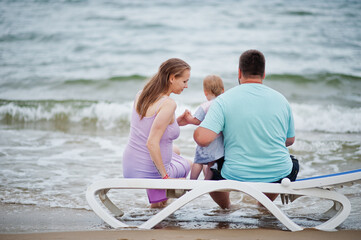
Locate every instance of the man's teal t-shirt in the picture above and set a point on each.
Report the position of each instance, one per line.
(256, 121)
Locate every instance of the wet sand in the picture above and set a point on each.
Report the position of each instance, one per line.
(33, 222)
(251, 234)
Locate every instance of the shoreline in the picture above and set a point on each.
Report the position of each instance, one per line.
(202, 234)
(32, 222)
(19, 218)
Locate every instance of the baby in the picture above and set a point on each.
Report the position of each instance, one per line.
(214, 152)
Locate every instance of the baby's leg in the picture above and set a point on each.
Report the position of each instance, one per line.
(196, 170)
(208, 173)
(205, 169)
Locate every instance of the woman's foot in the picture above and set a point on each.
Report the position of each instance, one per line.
(158, 204)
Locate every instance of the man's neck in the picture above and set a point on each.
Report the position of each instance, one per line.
(251, 80)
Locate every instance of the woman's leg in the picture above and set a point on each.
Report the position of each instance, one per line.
(176, 149)
(180, 167)
(158, 204)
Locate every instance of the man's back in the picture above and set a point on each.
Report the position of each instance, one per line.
(255, 121)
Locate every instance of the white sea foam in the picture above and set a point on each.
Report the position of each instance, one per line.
(329, 118)
(308, 117)
(106, 115)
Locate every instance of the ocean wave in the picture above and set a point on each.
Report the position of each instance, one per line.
(330, 118)
(111, 115)
(106, 115)
(134, 77)
(30, 36)
(334, 79)
(299, 13)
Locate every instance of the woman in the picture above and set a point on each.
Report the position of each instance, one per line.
(149, 152)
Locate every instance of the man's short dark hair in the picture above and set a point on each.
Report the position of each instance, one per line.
(252, 63)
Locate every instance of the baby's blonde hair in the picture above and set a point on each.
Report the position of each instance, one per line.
(213, 84)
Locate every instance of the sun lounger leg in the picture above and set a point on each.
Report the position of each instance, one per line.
(91, 194)
(333, 210)
(109, 204)
(278, 213)
(188, 197)
(343, 208)
(180, 202)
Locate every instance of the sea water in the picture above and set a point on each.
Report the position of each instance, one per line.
(69, 71)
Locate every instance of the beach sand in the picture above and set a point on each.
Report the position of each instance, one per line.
(34, 222)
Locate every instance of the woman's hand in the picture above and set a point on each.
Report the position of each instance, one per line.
(187, 118)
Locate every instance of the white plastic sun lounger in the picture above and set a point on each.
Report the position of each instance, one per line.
(321, 186)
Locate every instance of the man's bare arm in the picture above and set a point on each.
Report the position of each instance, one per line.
(290, 141)
(204, 136)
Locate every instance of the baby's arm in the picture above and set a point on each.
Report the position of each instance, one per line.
(193, 120)
(187, 118)
(199, 115)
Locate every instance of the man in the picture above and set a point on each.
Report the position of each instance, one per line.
(257, 125)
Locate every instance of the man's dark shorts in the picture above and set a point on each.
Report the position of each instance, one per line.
(292, 176)
(220, 163)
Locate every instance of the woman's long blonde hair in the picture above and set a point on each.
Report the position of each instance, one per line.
(159, 83)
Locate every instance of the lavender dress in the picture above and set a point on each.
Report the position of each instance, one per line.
(137, 162)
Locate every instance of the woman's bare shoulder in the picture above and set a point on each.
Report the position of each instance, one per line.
(169, 103)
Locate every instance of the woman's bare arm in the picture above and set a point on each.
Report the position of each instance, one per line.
(164, 117)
